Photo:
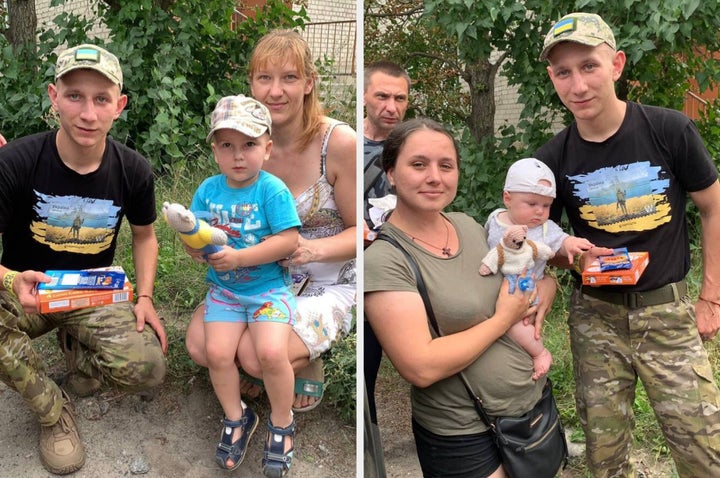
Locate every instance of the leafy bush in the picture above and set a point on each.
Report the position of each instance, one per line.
(340, 375)
(482, 175)
(25, 72)
(180, 62)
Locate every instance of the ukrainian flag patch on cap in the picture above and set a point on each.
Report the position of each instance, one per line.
(566, 25)
(583, 28)
(87, 54)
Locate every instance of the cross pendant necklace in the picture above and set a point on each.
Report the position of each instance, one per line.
(445, 250)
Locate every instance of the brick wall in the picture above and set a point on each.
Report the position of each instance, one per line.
(45, 14)
(331, 10)
(507, 107)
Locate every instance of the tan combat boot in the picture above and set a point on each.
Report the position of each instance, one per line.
(61, 450)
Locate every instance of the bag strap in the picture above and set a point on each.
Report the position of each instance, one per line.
(418, 278)
(422, 290)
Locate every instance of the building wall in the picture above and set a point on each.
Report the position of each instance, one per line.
(331, 10)
(45, 14)
(332, 38)
(507, 106)
(331, 32)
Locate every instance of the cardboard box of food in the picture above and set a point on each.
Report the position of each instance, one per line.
(102, 278)
(60, 300)
(593, 276)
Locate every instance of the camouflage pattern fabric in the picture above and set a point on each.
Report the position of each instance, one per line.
(612, 346)
(110, 349)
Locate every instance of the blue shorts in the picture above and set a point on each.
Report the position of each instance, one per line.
(275, 305)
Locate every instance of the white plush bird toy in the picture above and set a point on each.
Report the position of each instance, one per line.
(194, 232)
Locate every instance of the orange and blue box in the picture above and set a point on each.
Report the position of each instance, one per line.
(593, 275)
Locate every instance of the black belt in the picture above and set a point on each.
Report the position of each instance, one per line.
(634, 300)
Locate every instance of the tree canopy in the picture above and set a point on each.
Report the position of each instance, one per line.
(443, 41)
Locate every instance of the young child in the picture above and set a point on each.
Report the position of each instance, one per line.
(248, 291)
(528, 193)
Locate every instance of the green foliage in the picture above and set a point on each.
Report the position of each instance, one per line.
(339, 97)
(664, 51)
(709, 127)
(438, 40)
(178, 63)
(480, 186)
(340, 375)
(397, 31)
(26, 72)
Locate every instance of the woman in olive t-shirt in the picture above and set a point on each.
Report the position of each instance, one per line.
(473, 311)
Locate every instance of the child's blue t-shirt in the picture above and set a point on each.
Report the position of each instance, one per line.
(247, 215)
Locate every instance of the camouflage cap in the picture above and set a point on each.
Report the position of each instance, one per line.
(585, 28)
(89, 57)
(240, 113)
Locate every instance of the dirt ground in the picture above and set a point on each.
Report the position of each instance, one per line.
(392, 397)
(174, 436)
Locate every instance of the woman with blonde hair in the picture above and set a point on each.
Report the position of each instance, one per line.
(315, 156)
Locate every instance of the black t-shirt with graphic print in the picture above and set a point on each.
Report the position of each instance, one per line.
(631, 190)
(51, 217)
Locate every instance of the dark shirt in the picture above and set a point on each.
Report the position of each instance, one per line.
(376, 185)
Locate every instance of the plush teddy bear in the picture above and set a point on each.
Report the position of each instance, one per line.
(194, 231)
(514, 256)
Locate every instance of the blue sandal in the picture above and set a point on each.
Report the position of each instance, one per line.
(226, 449)
(276, 462)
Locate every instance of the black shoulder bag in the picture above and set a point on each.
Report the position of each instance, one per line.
(532, 445)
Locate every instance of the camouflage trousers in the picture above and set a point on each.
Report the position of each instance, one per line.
(109, 348)
(613, 346)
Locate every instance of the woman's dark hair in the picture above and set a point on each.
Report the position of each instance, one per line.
(396, 140)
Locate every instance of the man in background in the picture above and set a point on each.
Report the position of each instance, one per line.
(386, 95)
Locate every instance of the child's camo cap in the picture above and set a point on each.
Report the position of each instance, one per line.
(90, 57)
(240, 113)
(584, 28)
